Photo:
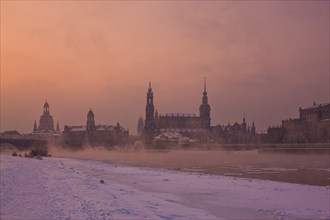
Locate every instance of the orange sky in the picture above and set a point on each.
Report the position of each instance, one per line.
(263, 58)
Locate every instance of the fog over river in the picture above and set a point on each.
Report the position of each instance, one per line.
(295, 166)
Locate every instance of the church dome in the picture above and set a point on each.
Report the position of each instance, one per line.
(90, 113)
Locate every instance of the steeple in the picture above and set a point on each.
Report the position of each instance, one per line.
(58, 127)
(253, 128)
(90, 120)
(150, 104)
(46, 122)
(35, 126)
(149, 125)
(205, 109)
(150, 95)
(156, 114)
(205, 93)
(244, 125)
(204, 99)
(46, 107)
(244, 118)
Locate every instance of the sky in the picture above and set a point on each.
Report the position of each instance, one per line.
(264, 59)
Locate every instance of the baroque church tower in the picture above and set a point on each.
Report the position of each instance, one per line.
(244, 125)
(149, 125)
(204, 110)
(46, 122)
(90, 125)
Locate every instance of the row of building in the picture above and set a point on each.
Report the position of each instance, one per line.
(313, 125)
(196, 127)
(81, 135)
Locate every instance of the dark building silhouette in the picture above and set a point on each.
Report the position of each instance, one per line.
(149, 125)
(190, 125)
(46, 123)
(312, 126)
(205, 111)
(315, 113)
(140, 126)
(94, 135)
(193, 126)
(235, 134)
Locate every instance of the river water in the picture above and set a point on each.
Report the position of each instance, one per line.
(303, 166)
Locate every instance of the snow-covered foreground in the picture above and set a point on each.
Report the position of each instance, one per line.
(61, 188)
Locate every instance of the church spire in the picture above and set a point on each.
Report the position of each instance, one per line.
(253, 128)
(150, 98)
(244, 118)
(149, 125)
(90, 120)
(204, 93)
(58, 127)
(204, 109)
(35, 126)
(46, 106)
(204, 99)
(244, 125)
(149, 89)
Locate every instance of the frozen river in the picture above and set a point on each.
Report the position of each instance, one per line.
(294, 166)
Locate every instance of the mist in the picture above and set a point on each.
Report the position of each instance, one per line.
(288, 165)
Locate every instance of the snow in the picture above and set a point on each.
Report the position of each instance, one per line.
(63, 188)
(169, 135)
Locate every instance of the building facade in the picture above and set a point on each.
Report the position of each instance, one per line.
(315, 113)
(194, 126)
(237, 133)
(94, 135)
(46, 123)
(312, 126)
(189, 125)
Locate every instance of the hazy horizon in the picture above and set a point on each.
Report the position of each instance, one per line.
(264, 59)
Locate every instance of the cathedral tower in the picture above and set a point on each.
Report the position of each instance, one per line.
(149, 125)
(35, 128)
(46, 122)
(58, 127)
(253, 129)
(204, 110)
(90, 121)
(244, 125)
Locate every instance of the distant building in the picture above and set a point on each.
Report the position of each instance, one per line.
(189, 125)
(235, 134)
(46, 123)
(196, 127)
(10, 134)
(94, 135)
(140, 126)
(312, 126)
(171, 138)
(315, 113)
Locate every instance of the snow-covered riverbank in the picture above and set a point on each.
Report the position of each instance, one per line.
(62, 188)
